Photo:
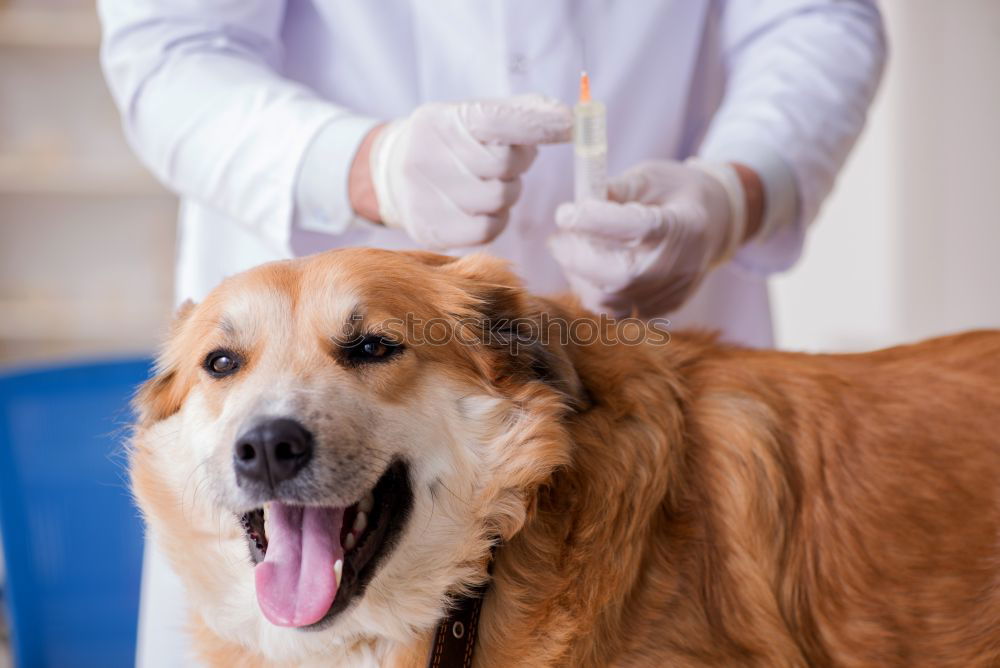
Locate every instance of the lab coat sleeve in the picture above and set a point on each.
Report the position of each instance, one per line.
(205, 108)
(800, 77)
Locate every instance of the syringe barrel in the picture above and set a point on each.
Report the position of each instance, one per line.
(590, 152)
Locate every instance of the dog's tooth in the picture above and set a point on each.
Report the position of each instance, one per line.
(350, 542)
(366, 504)
(338, 570)
(360, 522)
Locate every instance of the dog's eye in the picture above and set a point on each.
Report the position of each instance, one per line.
(221, 363)
(372, 348)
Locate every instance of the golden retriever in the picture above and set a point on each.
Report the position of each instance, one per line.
(332, 446)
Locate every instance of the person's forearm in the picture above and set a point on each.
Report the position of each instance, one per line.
(207, 114)
(800, 79)
(360, 187)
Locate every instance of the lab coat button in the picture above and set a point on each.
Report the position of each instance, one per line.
(518, 64)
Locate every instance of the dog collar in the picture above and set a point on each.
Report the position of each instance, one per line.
(455, 637)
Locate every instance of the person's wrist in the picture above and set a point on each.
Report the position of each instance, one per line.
(360, 185)
(753, 189)
(730, 186)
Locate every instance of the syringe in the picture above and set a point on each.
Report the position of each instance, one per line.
(590, 146)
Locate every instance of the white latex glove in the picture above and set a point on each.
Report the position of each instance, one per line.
(644, 251)
(449, 173)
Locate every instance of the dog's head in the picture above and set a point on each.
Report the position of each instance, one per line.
(334, 443)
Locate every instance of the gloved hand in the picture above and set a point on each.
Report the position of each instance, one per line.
(449, 173)
(644, 251)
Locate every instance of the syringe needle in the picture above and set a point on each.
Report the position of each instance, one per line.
(584, 87)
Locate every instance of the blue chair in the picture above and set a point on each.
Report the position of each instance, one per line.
(72, 538)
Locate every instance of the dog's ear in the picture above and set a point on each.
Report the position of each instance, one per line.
(162, 395)
(525, 334)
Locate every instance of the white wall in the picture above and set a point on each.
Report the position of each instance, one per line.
(908, 245)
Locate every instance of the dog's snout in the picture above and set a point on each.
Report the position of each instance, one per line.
(272, 452)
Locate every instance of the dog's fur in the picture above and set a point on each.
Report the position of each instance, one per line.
(687, 504)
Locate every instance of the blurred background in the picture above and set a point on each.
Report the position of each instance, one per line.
(86, 235)
(907, 247)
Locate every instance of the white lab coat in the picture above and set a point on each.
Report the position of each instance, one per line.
(252, 112)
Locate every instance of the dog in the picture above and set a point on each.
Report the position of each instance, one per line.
(335, 451)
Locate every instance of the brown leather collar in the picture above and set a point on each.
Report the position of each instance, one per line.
(455, 638)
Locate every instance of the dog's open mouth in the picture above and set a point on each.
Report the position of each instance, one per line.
(312, 561)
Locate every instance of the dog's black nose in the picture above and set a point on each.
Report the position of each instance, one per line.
(272, 452)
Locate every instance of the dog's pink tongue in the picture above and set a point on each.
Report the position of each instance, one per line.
(296, 583)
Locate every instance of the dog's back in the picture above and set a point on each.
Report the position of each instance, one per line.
(853, 510)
